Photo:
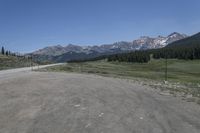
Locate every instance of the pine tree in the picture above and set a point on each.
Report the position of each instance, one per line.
(6, 53)
(2, 51)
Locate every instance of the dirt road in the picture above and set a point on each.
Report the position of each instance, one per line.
(44, 102)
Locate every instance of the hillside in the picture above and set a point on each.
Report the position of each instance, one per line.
(7, 62)
(188, 48)
(192, 41)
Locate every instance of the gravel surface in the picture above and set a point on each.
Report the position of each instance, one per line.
(49, 102)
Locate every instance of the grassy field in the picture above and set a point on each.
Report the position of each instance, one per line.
(183, 76)
(7, 62)
(178, 70)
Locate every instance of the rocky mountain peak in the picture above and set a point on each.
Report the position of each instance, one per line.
(144, 42)
(176, 34)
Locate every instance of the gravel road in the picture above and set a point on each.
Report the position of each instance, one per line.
(48, 102)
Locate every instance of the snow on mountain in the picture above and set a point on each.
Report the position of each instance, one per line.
(142, 43)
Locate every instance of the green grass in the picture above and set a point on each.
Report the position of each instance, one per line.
(8, 62)
(178, 70)
(183, 75)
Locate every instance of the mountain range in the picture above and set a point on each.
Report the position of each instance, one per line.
(60, 53)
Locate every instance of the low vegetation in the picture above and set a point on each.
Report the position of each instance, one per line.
(10, 60)
(7, 62)
(183, 76)
(178, 70)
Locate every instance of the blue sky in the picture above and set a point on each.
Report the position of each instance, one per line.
(27, 25)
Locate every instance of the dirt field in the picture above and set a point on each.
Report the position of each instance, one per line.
(49, 102)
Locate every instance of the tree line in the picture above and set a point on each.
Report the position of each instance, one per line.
(6, 52)
(188, 52)
(9, 53)
(137, 56)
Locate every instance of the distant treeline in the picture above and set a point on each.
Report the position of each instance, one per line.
(90, 59)
(137, 56)
(9, 53)
(6, 52)
(186, 52)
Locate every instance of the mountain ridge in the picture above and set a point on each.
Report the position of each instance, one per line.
(143, 43)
